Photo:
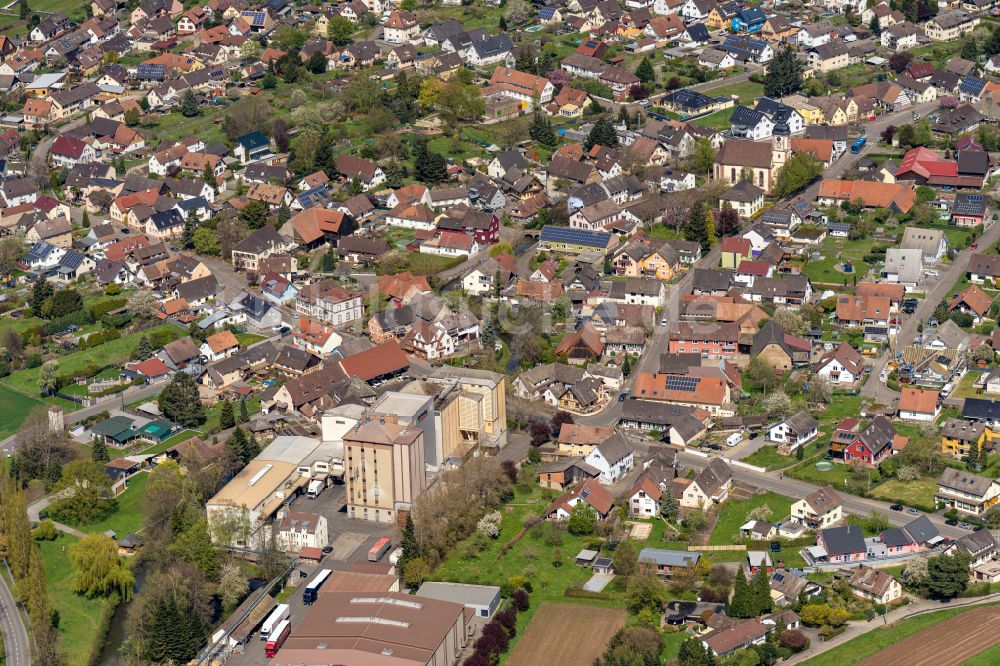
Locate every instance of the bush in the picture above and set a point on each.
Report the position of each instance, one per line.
(101, 309)
(520, 600)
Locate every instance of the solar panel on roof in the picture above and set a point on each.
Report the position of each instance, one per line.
(682, 383)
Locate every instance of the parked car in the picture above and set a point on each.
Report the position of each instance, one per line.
(622, 396)
(896, 507)
(913, 511)
(965, 526)
(951, 521)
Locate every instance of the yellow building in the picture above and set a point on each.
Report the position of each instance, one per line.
(383, 470)
(959, 437)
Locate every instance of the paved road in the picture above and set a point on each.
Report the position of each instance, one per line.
(15, 635)
(34, 515)
(789, 487)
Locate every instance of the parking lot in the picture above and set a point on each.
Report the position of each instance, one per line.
(350, 540)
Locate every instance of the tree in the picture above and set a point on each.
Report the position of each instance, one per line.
(625, 558)
(668, 507)
(875, 25)
(189, 104)
(741, 604)
(793, 639)
(646, 73)
(541, 131)
(206, 241)
(190, 227)
(48, 379)
(144, 349)
(518, 11)
(602, 134)
(700, 225)
(23, 10)
(633, 645)
(947, 575)
(777, 404)
(279, 133)
(430, 167)
(97, 568)
(694, 653)
(760, 586)
(784, 74)
(41, 291)
(233, 586)
(64, 302)
(582, 520)
(227, 419)
(728, 221)
(143, 304)
(703, 157)
(993, 46)
(11, 250)
(241, 447)
(710, 234)
(790, 321)
(969, 50)
(798, 171)
(244, 415)
(416, 572)
(820, 390)
(540, 433)
(316, 63)
(815, 615)
(644, 590)
(254, 214)
(99, 451)
(194, 545)
(888, 133)
(180, 402)
(409, 544)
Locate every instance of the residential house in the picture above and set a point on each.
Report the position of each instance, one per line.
(710, 486)
(820, 510)
(797, 430)
(875, 585)
(918, 405)
(966, 492)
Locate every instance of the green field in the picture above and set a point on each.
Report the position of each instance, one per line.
(247, 339)
(79, 617)
(718, 119)
(867, 644)
(834, 251)
(419, 264)
(14, 407)
(128, 517)
(768, 456)
(733, 514)
(170, 442)
(747, 91)
(114, 352)
(918, 494)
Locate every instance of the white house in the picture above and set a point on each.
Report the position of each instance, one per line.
(918, 405)
(613, 457)
(794, 431)
(841, 367)
(301, 530)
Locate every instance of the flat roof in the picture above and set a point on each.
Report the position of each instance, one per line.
(402, 404)
(290, 449)
(256, 482)
(460, 593)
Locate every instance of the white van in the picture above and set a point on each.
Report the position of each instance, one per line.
(734, 439)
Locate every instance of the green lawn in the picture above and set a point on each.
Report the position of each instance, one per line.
(918, 494)
(868, 644)
(965, 389)
(114, 352)
(718, 119)
(14, 407)
(172, 441)
(128, 517)
(835, 251)
(533, 557)
(420, 264)
(747, 91)
(19, 325)
(79, 617)
(768, 456)
(247, 339)
(733, 514)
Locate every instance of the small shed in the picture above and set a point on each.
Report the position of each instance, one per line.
(585, 557)
(311, 553)
(602, 565)
(130, 544)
